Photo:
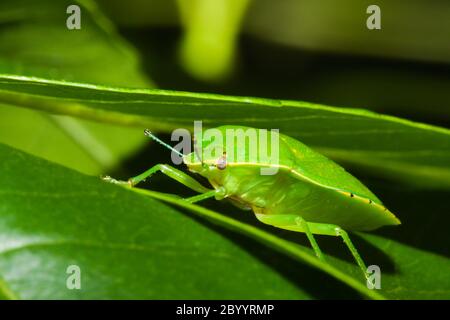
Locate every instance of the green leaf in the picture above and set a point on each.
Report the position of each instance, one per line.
(35, 41)
(386, 146)
(411, 273)
(129, 245)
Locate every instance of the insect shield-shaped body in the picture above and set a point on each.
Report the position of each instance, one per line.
(304, 183)
(285, 183)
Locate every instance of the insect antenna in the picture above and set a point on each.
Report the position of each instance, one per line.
(152, 136)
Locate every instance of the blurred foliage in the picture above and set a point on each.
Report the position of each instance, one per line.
(309, 50)
(319, 51)
(211, 27)
(34, 41)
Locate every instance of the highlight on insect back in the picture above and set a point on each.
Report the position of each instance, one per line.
(216, 152)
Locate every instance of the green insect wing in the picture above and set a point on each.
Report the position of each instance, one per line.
(355, 206)
(319, 169)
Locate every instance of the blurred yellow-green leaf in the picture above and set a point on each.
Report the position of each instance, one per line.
(35, 41)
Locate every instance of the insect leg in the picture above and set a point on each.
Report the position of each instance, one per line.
(302, 223)
(169, 171)
(292, 222)
(334, 230)
(298, 224)
(202, 196)
(343, 234)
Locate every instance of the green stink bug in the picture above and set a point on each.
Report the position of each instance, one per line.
(309, 193)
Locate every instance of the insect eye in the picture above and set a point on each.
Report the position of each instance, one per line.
(222, 162)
